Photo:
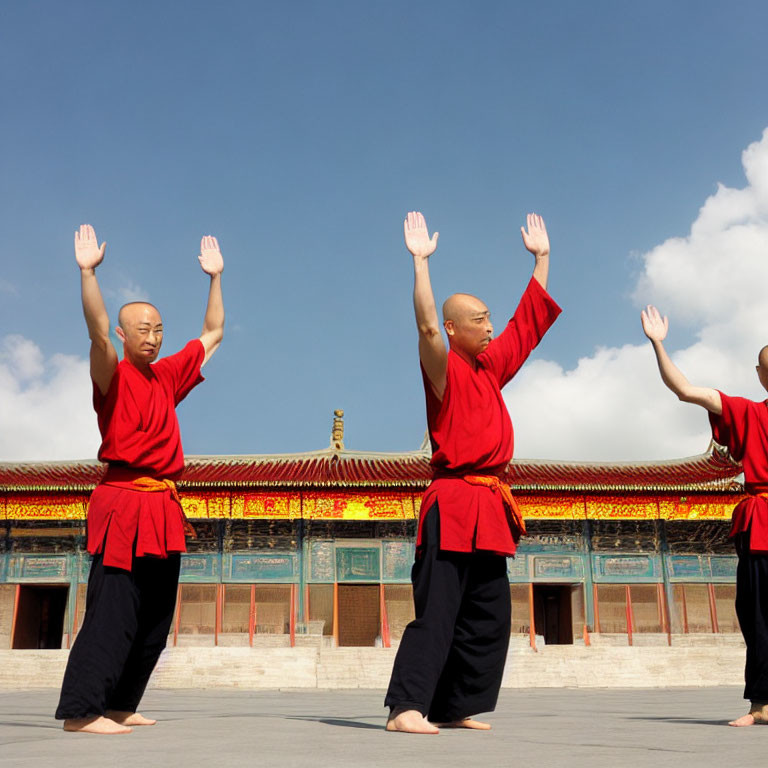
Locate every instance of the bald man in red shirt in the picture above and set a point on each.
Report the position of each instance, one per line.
(451, 657)
(136, 526)
(742, 426)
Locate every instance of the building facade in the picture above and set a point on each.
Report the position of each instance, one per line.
(317, 548)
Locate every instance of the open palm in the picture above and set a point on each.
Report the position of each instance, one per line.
(655, 326)
(87, 251)
(417, 239)
(536, 239)
(210, 257)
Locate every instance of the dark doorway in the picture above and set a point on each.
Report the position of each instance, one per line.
(552, 613)
(40, 616)
(359, 618)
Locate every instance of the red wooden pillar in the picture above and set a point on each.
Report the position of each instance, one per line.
(178, 616)
(685, 609)
(15, 614)
(596, 609)
(630, 618)
(531, 617)
(385, 639)
(666, 624)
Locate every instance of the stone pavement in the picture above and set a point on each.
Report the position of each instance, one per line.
(547, 727)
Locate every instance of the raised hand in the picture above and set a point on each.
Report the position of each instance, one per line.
(88, 254)
(655, 326)
(210, 256)
(535, 239)
(417, 239)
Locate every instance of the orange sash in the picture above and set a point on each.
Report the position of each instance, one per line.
(153, 485)
(493, 482)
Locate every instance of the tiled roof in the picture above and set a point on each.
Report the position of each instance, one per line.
(710, 471)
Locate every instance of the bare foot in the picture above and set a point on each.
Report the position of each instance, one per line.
(99, 724)
(128, 718)
(410, 721)
(742, 721)
(467, 722)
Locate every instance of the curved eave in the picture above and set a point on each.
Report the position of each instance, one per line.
(712, 472)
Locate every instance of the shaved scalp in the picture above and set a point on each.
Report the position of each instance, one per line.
(126, 311)
(762, 358)
(460, 305)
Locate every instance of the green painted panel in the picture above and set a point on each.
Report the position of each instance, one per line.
(550, 542)
(723, 566)
(397, 560)
(322, 566)
(271, 566)
(358, 563)
(199, 568)
(39, 567)
(552, 567)
(517, 568)
(687, 568)
(626, 568)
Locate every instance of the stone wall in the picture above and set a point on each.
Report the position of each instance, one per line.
(271, 668)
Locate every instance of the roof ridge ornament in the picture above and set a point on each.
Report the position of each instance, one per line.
(426, 443)
(337, 431)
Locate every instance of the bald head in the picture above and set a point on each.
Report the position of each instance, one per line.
(467, 322)
(762, 358)
(140, 328)
(136, 311)
(461, 306)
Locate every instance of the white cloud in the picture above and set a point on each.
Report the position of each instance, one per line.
(45, 404)
(131, 291)
(128, 290)
(612, 405)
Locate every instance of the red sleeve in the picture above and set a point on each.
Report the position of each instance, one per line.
(104, 404)
(434, 403)
(730, 427)
(184, 369)
(532, 319)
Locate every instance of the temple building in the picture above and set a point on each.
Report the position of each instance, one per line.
(316, 548)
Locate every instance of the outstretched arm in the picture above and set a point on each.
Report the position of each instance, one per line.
(103, 356)
(432, 351)
(213, 325)
(536, 241)
(655, 327)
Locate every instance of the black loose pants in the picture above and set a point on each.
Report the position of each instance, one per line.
(752, 610)
(127, 619)
(451, 657)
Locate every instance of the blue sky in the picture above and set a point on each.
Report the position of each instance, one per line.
(300, 134)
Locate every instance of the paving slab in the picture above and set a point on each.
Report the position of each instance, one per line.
(548, 727)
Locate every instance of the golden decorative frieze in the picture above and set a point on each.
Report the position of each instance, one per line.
(370, 504)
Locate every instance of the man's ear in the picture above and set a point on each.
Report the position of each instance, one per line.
(449, 329)
(120, 334)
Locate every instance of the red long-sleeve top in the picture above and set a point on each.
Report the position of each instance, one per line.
(743, 429)
(471, 432)
(141, 438)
